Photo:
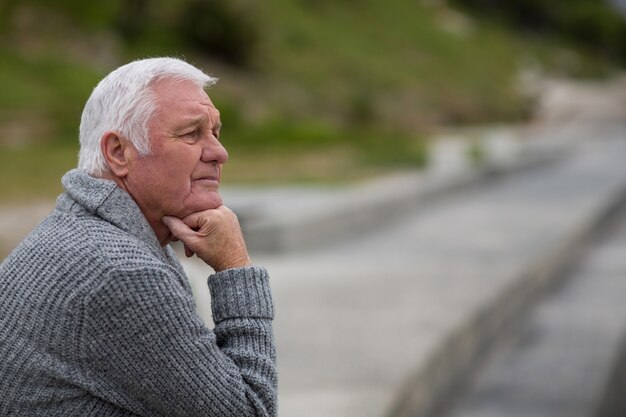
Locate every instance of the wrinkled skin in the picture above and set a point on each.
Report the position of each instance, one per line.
(176, 186)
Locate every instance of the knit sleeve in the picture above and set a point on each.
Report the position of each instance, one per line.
(146, 350)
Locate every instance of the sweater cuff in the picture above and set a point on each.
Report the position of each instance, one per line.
(241, 293)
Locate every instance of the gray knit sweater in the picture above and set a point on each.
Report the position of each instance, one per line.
(97, 319)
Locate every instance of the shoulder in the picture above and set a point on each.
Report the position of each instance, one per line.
(82, 246)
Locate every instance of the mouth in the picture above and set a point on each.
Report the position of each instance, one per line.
(211, 178)
(207, 180)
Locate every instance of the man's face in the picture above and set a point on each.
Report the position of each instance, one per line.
(182, 172)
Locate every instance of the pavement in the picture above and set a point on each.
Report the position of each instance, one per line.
(568, 355)
(278, 219)
(386, 321)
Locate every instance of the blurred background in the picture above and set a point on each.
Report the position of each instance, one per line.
(319, 99)
(346, 89)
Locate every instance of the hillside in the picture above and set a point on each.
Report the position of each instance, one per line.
(309, 90)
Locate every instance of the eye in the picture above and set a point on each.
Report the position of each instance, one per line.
(192, 134)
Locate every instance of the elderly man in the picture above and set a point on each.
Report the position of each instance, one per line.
(96, 314)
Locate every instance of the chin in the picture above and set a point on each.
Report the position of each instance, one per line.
(215, 204)
(208, 202)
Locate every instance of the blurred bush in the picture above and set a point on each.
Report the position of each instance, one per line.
(311, 90)
(593, 24)
(223, 28)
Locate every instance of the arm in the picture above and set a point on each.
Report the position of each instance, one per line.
(150, 353)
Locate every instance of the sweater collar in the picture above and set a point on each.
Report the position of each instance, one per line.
(105, 199)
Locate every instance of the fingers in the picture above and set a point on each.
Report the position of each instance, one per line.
(179, 229)
(198, 221)
(213, 235)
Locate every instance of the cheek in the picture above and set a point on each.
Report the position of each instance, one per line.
(160, 180)
(167, 175)
(175, 181)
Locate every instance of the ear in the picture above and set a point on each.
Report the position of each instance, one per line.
(115, 150)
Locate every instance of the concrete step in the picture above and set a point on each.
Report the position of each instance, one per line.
(430, 386)
(568, 356)
(276, 219)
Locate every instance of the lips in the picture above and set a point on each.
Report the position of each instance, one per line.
(208, 183)
(208, 178)
(213, 174)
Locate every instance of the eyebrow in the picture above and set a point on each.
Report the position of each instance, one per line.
(195, 122)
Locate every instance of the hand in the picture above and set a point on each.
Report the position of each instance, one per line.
(213, 235)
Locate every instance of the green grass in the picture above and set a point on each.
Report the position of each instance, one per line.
(273, 153)
(43, 89)
(383, 51)
(335, 91)
(283, 152)
(34, 172)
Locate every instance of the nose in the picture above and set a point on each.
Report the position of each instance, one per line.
(213, 151)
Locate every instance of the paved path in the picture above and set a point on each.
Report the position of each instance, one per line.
(568, 357)
(383, 324)
(286, 218)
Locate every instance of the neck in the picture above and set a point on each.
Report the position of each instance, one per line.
(163, 234)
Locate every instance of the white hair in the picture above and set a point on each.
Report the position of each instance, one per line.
(124, 102)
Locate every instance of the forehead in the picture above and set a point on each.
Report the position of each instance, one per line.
(181, 99)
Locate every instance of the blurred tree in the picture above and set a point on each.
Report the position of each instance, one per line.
(132, 18)
(222, 28)
(225, 29)
(7, 7)
(590, 23)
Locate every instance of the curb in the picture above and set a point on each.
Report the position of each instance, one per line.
(426, 389)
(365, 207)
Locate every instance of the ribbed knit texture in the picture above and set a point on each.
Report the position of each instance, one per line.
(96, 319)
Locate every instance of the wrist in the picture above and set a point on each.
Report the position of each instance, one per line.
(236, 263)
